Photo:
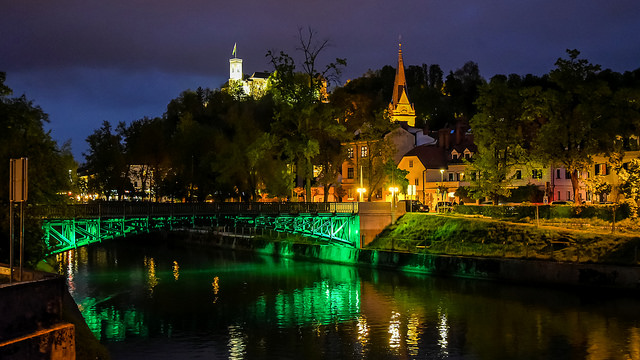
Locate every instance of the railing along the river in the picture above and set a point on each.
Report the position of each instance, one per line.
(151, 209)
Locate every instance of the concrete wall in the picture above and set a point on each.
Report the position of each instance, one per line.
(374, 217)
(31, 325)
(508, 270)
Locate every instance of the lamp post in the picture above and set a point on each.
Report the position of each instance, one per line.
(361, 190)
(393, 191)
(442, 182)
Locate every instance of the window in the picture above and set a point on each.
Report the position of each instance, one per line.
(557, 173)
(410, 163)
(607, 169)
(350, 173)
(416, 183)
(536, 174)
(558, 196)
(597, 170)
(568, 195)
(567, 174)
(467, 156)
(350, 153)
(451, 176)
(518, 175)
(364, 151)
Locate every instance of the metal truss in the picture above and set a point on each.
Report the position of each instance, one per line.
(339, 228)
(63, 234)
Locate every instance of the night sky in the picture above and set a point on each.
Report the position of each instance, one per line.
(86, 61)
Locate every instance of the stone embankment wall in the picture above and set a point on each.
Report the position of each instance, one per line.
(499, 269)
(31, 325)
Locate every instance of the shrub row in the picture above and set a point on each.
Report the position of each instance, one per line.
(603, 212)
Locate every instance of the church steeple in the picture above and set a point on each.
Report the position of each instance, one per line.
(400, 109)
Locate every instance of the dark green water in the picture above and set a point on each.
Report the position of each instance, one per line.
(158, 300)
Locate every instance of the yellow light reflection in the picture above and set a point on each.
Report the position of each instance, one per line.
(443, 329)
(176, 270)
(412, 335)
(71, 271)
(634, 343)
(152, 279)
(237, 342)
(363, 331)
(216, 288)
(394, 330)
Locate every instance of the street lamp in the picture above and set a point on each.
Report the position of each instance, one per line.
(442, 182)
(393, 191)
(361, 191)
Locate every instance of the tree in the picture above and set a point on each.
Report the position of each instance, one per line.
(498, 132)
(629, 185)
(574, 115)
(301, 118)
(147, 146)
(598, 185)
(50, 167)
(106, 161)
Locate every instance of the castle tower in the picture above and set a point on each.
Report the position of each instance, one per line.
(235, 67)
(400, 109)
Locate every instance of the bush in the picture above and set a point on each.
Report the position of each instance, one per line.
(603, 212)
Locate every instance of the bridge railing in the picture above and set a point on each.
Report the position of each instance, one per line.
(150, 209)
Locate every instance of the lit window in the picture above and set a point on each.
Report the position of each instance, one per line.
(350, 153)
(364, 151)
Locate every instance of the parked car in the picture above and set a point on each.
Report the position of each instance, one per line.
(562, 202)
(444, 206)
(416, 206)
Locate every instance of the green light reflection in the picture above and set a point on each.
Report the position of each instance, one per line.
(323, 303)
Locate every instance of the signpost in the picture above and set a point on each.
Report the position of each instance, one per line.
(17, 193)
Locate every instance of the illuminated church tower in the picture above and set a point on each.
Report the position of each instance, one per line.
(400, 109)
(235, 67)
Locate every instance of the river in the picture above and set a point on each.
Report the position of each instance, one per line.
(159, 299)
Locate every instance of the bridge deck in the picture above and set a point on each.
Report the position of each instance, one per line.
(149, 209)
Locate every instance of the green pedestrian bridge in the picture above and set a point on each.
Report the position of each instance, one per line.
(71, 226)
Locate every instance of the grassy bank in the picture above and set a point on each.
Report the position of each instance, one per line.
(477, 236)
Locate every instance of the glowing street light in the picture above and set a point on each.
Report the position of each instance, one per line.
(361, 191)
(393, 191)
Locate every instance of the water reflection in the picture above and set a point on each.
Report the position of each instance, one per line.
(241, 306)
(176, 271)
(152, 278)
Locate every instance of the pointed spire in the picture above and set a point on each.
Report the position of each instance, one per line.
(400, 108)
(400, 83)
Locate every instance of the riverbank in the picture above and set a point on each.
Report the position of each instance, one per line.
(472, 253)
(485, 237)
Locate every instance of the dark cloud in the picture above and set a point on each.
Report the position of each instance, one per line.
(85, 61)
